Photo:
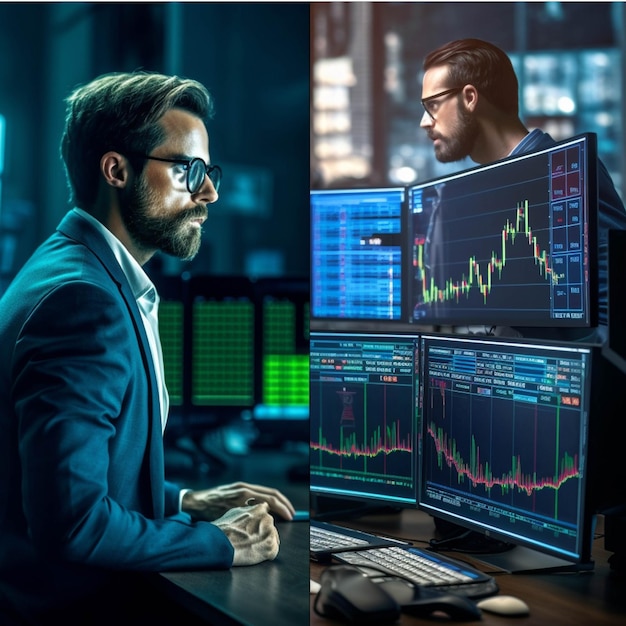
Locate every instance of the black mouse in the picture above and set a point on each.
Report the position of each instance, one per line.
(348, 595)
(424, 601)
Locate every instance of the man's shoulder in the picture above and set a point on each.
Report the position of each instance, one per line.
(65, 259)
(535, 140)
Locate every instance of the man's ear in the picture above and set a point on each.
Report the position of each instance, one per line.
(115, 169)
(470, 97)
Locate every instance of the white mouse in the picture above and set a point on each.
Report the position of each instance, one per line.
(504, 605)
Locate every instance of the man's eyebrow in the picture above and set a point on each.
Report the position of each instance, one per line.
(180, 155)
(187, 157)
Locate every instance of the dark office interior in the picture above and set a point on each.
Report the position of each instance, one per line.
(249, 283)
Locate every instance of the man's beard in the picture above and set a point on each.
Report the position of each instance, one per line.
(461, 141)
(173, 235)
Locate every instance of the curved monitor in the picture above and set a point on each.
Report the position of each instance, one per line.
(509, 244)
(363, 417)
(507, 445)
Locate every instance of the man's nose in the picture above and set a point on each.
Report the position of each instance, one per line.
(426, 120)
(207, 194)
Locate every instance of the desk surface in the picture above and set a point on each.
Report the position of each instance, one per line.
(274, 593)
(586, 599)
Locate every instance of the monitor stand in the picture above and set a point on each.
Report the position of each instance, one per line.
(523, 560)
(502, 555)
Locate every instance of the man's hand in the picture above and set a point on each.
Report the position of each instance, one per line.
(252, 533)
(209, 504)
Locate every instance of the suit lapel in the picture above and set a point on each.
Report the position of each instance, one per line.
(79, 229)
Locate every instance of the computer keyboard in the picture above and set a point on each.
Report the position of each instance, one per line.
(326, 539)
(423, 567)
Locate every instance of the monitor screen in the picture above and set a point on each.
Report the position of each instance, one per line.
(223, 340)
(356, 253)
(172, 296)
(509, 243)
(284, 349)
(363, 417)
(505, 441)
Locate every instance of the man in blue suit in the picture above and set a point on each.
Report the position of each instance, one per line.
(84, 506)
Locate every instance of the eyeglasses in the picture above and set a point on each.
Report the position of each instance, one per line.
(196, 170)
(431, 107)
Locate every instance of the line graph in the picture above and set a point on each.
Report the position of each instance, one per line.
(378, 443)
(505, 438)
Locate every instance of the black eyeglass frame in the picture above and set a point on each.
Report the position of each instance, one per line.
(209, 169)
(441, 94)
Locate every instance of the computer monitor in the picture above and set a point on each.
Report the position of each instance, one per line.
(363, 418)
(222, 345)
(283, 354)
(172, 292)
(356, 256)
(513, 444)
(511, 243)
(615, 346)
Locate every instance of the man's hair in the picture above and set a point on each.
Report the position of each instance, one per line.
(120, 112)
(482, 64)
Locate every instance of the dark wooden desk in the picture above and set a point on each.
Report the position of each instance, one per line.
(590, 599)
(274, 593)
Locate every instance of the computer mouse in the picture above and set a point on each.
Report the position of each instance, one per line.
(457, 607)
(346, 594)
(504, 605)
(422, 601)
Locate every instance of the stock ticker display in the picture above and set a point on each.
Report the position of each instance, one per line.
(356, 259)
(363, 418)
(504, 437)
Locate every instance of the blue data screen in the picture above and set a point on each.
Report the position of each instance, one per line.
(356, 253)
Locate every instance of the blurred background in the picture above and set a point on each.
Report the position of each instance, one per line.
(234, 320)
(366, 75)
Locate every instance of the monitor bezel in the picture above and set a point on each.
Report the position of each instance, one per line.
(614, 348)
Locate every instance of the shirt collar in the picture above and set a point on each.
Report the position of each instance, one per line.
(140, 284)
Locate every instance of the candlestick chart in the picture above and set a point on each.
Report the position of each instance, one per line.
(374, 437)
(481, 276)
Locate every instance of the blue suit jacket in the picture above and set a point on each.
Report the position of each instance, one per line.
(82, 489)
